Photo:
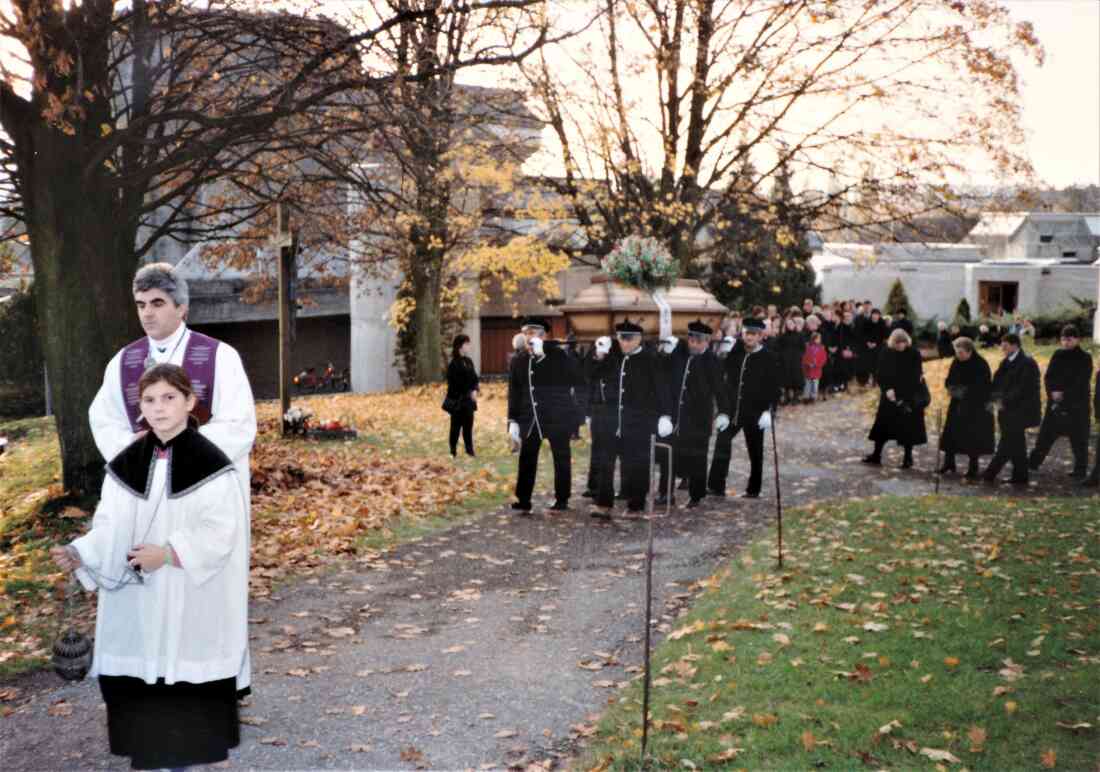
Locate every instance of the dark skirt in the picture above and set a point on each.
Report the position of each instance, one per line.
(180, 725)
(893, 423)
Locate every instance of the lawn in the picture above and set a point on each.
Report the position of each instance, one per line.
(900, 633)
(314, 503)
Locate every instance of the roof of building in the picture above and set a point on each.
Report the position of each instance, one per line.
(997, 224)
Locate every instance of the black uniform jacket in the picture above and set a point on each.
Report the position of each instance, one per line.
(1016, 384)
(752, 384)
(540, 391)
(1070, 372)
(696, 384)
(636, 389)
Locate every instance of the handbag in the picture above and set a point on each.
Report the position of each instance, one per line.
(450, 405)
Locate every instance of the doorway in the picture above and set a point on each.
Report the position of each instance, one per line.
(998, 297)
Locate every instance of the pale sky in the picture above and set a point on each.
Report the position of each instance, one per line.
(1062, 98)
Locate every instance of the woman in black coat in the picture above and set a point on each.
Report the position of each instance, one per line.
(790, 346)
(462, 389)
(969, 426)
(900, 415)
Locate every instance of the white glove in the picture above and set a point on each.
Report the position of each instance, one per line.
(536, 346)
(670, 343)
(664, 426)
(603, 345)
(722, 422)
(765, 421)
(588, 423)
(513, 431)
(727, 345)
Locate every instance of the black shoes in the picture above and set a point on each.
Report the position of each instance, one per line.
(907, 463)
(1090, 482)
(717, 494)
(560, 506)
(589, 494)
(872, 459)
(694, 503)
(750, 495)
(522, 506)
(1079, 474)
(683, 486)
(600, 513)
(948, 469)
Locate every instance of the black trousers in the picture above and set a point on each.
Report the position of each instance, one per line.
(689, 463)
(633, 451)
(1012, 446)
(462, 421)
(723, 447)
(1072, 425)
(603, 436)
(529, 465)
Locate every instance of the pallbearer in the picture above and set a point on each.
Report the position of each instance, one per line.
(696, 381)
(541, 406)
(640, 399)
(752, 389)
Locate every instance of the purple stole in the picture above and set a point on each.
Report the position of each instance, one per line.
(198, 363)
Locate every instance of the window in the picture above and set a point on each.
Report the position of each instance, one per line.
(1046, 238)
(1070, 254)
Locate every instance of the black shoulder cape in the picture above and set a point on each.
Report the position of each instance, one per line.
(193, 461)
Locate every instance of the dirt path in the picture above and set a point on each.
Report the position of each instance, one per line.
(495, 643)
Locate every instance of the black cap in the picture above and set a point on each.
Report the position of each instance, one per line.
(753, 324)
(699, 328)
(1069, 331)
(628, 327)
(1012, 338)
(535, 321)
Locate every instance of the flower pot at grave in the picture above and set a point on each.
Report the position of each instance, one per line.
(604, 303)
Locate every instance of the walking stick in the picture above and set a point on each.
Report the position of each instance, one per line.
(653, 445)
(939, 447)
(778, 495)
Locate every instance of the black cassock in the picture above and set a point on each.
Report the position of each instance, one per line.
(540, 400)
(968, 429)
(1070, 372)
(901, 420)
(696, 384)
(790, 346)
(752, 383)
(637, 395)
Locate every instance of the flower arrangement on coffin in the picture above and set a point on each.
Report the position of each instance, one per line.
(642, 262)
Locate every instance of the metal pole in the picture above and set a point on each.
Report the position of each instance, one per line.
(778, 495)
(648, 599)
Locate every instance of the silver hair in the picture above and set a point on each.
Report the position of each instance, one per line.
(163, 277)
(897, 336)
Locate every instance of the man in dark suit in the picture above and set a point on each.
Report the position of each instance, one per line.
(1067, 382)
(752, 389)
(541, 386)
(1016, 398)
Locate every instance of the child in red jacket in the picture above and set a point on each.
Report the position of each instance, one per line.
(813, 363)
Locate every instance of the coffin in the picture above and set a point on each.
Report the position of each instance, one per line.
(596, 309)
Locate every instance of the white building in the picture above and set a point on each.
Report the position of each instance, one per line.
(1034, 263)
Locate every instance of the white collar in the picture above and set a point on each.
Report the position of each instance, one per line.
(168, 344)
(1015, 354)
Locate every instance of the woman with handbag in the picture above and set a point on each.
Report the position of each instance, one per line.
(900, 415)
(462, 389)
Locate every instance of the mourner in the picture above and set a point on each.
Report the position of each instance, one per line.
(168, 552)
(752, 389)
(640, 398)
(968, 429)
(790, 346)
(1067, 381)
(1015, 398)
(541, 407)
(901, 322)
(224, 406)
(461, 399)
(873, 336)
(943, 341)
(900, 415)
(696, 381)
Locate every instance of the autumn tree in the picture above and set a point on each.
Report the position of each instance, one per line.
(899, 98)
(117, 122)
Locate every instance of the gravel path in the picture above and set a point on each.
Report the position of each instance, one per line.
(492, 644)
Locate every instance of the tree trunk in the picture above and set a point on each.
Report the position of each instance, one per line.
(82, 248)
(426, 323)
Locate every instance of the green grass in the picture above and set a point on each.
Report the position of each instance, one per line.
(974, 624)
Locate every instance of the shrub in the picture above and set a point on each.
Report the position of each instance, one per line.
(898, 300)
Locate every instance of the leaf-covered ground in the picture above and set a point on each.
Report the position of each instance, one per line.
(313, 502)
(899, 634)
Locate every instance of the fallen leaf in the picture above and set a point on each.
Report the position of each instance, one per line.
(951, 661)
(938, 755)
(977, 737)
(765, 720)
(729, 754)
(888, 728)
(1049, 759)
(1010, 707)
(781, 639)
(278, 742)
(253, 720)
(808, 741)
(505, 734)
(359, 748)
(461, 673)
(454, 649)
(60, 709)
(1075, 727)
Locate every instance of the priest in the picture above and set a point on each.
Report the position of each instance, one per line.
(752, 389)
(541, 385)
(696, 381)
(641, 404)
(224, 406)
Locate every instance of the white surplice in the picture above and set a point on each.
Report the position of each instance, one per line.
(182, 624)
